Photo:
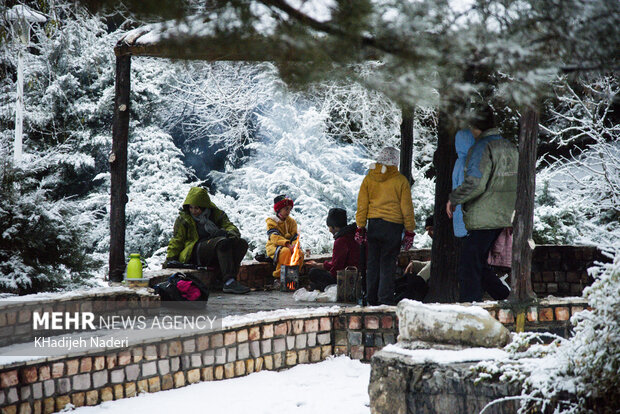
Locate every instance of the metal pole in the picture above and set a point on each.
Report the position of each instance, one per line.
(19, 110)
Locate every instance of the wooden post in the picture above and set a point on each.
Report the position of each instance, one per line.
(406, 142)
(523, 245)
(118, 169)
(443, 284)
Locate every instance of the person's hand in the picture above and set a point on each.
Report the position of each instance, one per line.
(289, 246)
(450, 209)
(360, 235)
(409, 268)
(312, 263)
(408, 240)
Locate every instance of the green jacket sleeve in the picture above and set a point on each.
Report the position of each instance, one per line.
(476, 179)
(177, 242)
(222, 221)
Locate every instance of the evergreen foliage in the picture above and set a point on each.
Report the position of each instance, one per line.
(42, 241)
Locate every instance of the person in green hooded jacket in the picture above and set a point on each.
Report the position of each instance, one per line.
(487, 195)
(204, 236)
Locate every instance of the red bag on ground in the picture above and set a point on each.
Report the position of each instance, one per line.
(188, 290)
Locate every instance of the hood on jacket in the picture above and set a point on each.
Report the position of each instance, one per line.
(376, 172)
(197, 196)
(463, 141)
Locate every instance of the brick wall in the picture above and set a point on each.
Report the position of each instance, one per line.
(16, 323)
(548, 315)
(562, 270)
(273, 344)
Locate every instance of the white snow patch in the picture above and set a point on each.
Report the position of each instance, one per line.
(320, 10)
(262, 316)
(440, 307)
(97, 291)
(448, 356)
(337, 385)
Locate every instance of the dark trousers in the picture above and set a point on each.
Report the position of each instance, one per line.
(226, 253)
(383, 246)
(475, 275)
(411, 286)
(320, 279)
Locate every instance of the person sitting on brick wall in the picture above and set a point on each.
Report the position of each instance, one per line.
(282, 234)
(346, 251)
(204, 236)
(414, 284)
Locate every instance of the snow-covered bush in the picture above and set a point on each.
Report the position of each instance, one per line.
(294, 157)
(158, 184)
(217, 104)
(578, 375)
(554, 223)
(588, 180)
(42, 240)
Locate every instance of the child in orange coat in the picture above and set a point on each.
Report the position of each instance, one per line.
(282, 234)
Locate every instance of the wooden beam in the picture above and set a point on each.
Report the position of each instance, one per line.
(523, 245)
(235, 47)
(406, 142)
(118, 168)
(443, 284)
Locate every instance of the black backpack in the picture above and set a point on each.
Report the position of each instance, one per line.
(168, 292)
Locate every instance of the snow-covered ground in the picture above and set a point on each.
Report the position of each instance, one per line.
(336, 385)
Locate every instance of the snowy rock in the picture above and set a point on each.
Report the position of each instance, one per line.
(449, 324)
(400, 384)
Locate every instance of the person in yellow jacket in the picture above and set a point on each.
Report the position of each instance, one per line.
(282, 234)
(384, 210)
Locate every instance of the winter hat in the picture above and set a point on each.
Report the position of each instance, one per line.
(281, 201)
(337, 217)
(388, 156)
(484, 118)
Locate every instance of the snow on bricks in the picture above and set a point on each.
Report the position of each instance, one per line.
(449, 324)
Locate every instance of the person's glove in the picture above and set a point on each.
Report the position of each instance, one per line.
(408, 240)
(360, 235)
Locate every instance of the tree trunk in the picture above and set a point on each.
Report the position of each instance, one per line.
(443, 284)
(118, 169)
(406, 142)
(523, 245)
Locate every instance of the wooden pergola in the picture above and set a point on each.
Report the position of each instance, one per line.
(196, 39)
(190, 40)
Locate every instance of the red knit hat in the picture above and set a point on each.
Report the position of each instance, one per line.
(280, 202)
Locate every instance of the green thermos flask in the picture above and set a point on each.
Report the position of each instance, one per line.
(134, 267)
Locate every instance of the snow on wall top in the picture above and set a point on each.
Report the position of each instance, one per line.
(74, 294)
(447, 356)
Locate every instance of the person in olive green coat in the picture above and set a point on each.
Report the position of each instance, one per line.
(487, 196)
(204, 236)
